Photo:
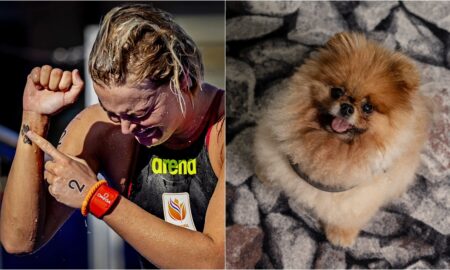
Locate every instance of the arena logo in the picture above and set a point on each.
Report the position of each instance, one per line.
(173, 166)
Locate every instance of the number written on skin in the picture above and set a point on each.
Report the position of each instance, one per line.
(74, 182)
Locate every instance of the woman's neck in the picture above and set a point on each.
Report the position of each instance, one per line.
(195, 120)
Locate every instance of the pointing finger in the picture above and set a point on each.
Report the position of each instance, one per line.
(45, 146)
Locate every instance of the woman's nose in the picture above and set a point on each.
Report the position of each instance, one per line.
(127, 126)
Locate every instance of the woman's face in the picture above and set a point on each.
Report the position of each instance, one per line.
(151, 113)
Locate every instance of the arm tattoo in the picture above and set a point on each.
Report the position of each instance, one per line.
(62, 136)
(74, 182)
(25, 128)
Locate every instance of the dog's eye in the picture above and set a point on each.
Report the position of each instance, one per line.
(336, 92)
(367, 108)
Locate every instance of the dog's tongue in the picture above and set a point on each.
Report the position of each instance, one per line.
(340, 125)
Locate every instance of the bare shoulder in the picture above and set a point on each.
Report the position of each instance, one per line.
(79, 136)
(93, 137)
(88, 117)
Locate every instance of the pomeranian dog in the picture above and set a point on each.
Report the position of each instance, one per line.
(344, 137)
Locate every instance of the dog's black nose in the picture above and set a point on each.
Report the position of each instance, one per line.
(346, 109)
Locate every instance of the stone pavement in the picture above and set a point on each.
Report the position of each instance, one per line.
(265, 42)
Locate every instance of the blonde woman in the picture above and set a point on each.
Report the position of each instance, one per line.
(157, 135)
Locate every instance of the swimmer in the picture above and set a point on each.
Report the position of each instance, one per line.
(157, 135)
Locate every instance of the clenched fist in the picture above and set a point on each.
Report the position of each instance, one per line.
(49, 90)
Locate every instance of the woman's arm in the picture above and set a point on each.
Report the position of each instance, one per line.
(23, 216)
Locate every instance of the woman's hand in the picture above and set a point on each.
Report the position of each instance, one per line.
(49, 90)
(69, 178)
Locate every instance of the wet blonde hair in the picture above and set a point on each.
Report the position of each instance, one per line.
(137, 42)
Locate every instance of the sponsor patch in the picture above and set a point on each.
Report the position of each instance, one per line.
(177, 209)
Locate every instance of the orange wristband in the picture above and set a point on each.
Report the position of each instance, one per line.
(84, 206)
(103, 200)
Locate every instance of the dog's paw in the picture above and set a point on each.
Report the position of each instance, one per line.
(343, 237)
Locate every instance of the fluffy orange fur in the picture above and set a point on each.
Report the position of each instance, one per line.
(376, 158)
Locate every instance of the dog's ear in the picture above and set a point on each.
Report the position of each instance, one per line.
(346, 40)
(405, 73)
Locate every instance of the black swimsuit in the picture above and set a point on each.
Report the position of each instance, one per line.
(150, 183)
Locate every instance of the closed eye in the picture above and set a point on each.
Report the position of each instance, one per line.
(129, 117)
(138, 118)
(113, 117)
(144, 115)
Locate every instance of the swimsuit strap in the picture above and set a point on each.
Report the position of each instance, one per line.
(215, 116)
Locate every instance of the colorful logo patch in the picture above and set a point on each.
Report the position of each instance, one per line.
(177, 210)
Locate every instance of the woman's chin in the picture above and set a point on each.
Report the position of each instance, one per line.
(148, 142)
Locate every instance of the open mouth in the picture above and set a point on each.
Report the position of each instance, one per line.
(341, 125)
(145, 132)
(338, 125)
(147, 135)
